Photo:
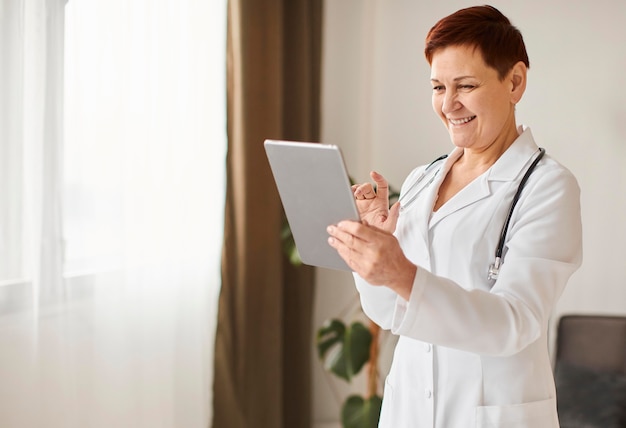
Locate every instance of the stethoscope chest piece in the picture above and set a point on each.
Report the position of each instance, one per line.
(494, 270)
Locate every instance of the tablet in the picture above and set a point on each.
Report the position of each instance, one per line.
(314, 188)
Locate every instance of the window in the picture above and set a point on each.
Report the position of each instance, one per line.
(144, 131)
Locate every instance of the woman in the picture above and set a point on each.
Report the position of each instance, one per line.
(473, 348)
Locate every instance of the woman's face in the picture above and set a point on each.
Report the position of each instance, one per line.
(477, 108)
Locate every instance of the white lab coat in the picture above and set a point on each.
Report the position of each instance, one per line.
(473, 352)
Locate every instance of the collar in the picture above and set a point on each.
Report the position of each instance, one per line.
(515, 158)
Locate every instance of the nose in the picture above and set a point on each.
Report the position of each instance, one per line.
(450, 102)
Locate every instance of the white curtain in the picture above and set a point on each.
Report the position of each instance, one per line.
(112, 149)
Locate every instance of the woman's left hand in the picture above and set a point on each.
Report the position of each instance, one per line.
(374, 254)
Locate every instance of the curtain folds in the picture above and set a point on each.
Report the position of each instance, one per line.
(31, 106)
(112, 183)
(264, 335)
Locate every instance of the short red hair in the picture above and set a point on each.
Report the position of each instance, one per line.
(485, 28)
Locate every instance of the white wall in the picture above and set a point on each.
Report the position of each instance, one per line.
(376, 106)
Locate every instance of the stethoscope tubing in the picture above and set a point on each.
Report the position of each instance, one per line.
(505, 227)
(494, 269)
(404, 205)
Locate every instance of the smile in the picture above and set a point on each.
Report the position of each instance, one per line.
(461, 121)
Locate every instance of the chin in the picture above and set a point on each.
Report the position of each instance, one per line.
(461, 142)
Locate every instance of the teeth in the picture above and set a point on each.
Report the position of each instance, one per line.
(461, 121)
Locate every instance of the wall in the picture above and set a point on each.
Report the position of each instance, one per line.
(376, 106)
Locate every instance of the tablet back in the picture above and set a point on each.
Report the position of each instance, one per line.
(314, 188)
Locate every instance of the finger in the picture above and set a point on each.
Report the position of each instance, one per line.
(382, 187)
(348, 255)
(360, 234)
(364, 191)
(345, 226)
(339, 241)
(339, 237)
(369, 193)
(394, 213)
(350, 233)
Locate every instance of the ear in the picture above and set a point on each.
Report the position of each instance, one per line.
(517, 78)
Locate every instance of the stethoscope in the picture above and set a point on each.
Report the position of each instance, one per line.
(494, 268)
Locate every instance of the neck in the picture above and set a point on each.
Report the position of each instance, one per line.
(482, 159)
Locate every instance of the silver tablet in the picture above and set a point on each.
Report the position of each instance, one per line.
(314, 188)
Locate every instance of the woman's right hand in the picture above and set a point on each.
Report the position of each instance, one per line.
(373, 205)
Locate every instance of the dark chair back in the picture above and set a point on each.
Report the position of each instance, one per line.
(597, 342)
(590, 371)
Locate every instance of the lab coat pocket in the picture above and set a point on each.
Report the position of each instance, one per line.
(528, 415)
(386, 419)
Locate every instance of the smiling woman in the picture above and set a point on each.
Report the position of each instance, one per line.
(472, 347)
(377, 106)
(477, 106)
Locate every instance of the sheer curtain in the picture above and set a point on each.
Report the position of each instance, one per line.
(112, 152)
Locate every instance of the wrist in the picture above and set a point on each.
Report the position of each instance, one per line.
(404, 283)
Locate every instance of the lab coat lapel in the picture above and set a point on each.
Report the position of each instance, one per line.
(475, 191)
(424, 205)
(507, 168)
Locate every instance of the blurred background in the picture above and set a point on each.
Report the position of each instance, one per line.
(143, 281)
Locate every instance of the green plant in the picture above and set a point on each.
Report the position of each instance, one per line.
(347, 349)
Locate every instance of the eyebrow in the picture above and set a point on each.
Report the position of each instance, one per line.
(456, 79)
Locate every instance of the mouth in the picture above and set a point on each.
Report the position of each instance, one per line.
(462, 121)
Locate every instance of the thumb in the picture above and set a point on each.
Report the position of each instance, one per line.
(392, 219)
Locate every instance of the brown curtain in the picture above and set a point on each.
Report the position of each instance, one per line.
(264, 334)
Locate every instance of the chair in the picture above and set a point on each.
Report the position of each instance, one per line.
(590, 371)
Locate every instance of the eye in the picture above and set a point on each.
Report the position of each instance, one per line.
(438, 88)
(467, 87)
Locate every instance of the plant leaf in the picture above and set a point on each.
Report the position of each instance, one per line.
(329, 335)
(289, 245)
(345, 350)
(361, 413)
